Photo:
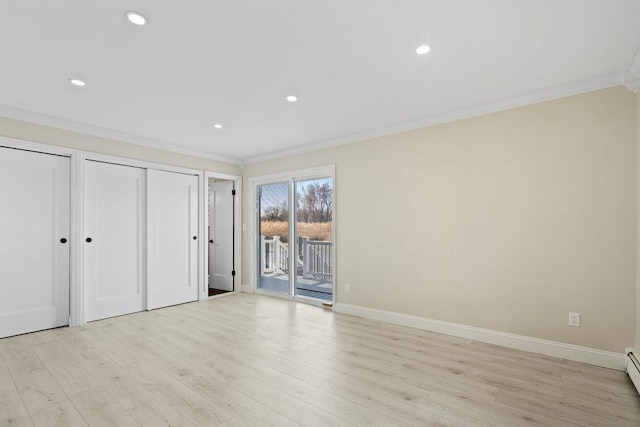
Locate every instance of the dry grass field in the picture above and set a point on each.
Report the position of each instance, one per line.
(313, 230)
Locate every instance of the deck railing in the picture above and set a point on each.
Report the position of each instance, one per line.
(314, 260)
(274, 256)
(317, 258)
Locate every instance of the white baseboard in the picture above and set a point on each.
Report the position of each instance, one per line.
(606, 359)
(246, 288)
(631, 366)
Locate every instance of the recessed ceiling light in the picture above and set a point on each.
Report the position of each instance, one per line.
(136, 18)
(421, 50)
(291, 98)
(77, 82)
(217, 126)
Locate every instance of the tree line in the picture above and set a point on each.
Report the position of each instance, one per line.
(314, 204)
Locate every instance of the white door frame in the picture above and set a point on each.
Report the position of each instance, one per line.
(289, 177)
(237, 230)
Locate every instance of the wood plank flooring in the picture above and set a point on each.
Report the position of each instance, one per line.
(250, 360)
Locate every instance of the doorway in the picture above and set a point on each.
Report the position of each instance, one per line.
(313, 231)
(273, 243)
(294, 235)
(221, 232)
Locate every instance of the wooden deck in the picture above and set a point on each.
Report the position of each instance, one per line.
(255, 360)
(311, 288)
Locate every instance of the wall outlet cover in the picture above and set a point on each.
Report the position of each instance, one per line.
(574, 319)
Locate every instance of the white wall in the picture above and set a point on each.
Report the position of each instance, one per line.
(506, 221)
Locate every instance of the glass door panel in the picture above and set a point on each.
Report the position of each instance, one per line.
(273, 242)
(314, 239)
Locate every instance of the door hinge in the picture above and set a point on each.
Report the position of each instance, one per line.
(233, 273)
(233, 192)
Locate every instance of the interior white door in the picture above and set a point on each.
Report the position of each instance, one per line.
(114, 224)
(34, 241)
(172, 233)
(221, 235)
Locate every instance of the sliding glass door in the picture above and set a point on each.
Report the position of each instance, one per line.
(314, 237)
(295, 246)
(273, 242)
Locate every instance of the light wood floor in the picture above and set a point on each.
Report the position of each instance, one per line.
(255, 360)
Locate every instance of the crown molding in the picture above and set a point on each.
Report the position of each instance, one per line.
(602, 81)
(73, 126)
(631, 76)
(631, 81)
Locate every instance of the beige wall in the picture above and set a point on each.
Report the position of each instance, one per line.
(506, 221)
(637, 344)
(53, 136)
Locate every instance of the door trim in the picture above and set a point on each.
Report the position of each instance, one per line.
(237, 232)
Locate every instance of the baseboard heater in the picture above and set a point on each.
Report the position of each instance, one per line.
(633, 367)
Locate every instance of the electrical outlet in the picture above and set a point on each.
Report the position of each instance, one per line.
(574, 319)
(347, 287)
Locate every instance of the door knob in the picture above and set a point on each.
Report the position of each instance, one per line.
(63, 240)
(211, 241)
(195, 237)
(88, 240)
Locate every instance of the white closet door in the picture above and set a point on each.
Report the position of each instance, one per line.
(114, 242)
(34, 241)
(172, 230)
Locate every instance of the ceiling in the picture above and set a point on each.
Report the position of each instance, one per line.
(352, 63)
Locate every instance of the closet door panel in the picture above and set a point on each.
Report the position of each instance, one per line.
(34, 241)
(115, 225)
(172, 212)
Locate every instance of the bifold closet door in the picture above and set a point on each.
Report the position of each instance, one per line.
(34, 241)
(172, 236)
(114, 240)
